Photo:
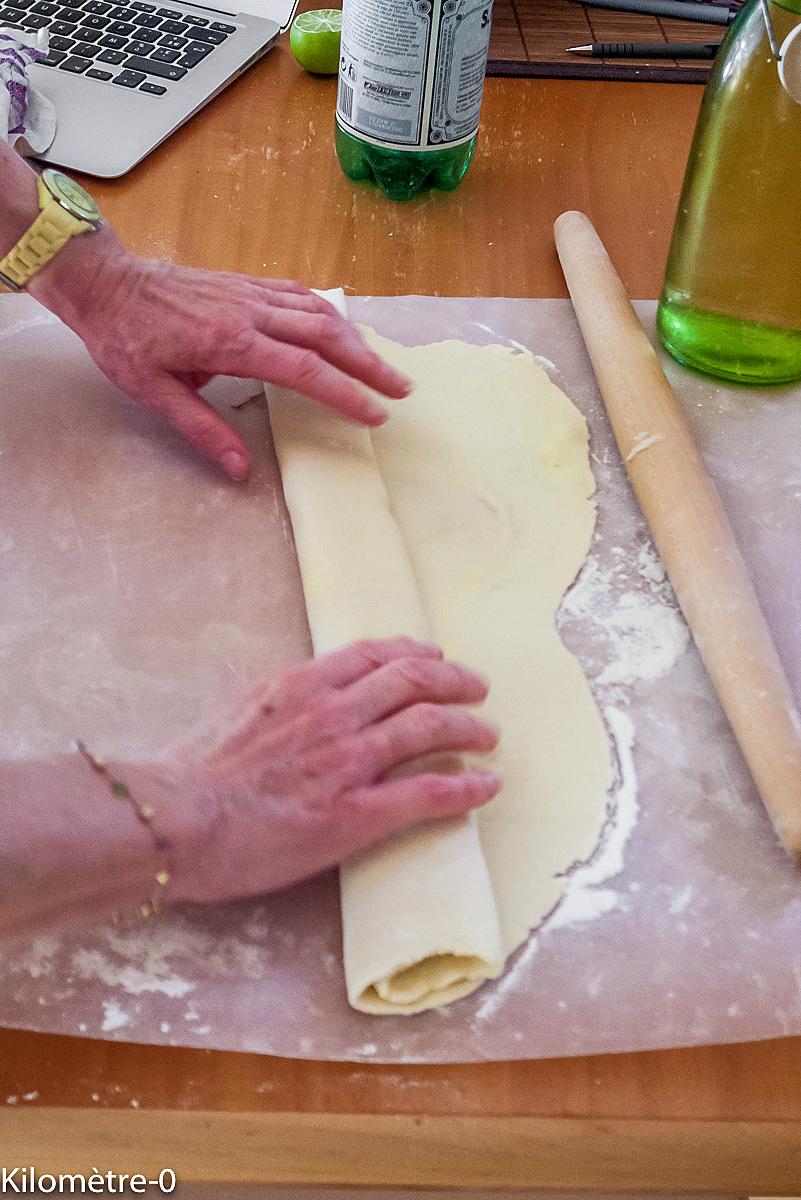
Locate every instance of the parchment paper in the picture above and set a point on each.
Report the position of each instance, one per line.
(137, 588)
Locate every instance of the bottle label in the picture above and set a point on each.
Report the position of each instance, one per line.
(411, 72)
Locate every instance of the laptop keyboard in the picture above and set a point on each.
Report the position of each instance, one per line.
(137, 45)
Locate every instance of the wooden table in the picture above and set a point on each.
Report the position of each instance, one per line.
(252, 185)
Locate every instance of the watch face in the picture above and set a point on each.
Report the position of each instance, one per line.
(71, 195)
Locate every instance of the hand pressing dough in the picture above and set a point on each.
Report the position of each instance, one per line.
(465, 517)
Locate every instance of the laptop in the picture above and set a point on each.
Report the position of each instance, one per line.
(124, 76)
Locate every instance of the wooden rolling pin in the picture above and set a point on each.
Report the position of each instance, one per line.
(689, 526)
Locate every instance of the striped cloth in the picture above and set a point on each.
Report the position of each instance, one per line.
(27, 118)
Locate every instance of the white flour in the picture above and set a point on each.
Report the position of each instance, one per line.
(583, 898)
(138, 962)
(639, 632)
(113, 1017)
(648, 639)
(644, 442)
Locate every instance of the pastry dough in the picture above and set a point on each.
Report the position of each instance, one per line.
(358, 583)
(465, 517)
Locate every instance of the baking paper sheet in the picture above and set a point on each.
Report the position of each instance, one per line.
(138, 588)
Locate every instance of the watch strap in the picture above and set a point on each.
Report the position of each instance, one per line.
(52, 229)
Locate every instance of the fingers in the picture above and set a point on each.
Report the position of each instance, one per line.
(397, 803)
(337, 341)
(407, 680)
(290, 286)
(304, 370)
(304, 301)
(199, 424)
(419, 731)
(295, 688)
(289, 313)
(343, 667)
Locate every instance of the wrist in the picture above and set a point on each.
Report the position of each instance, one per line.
(82, 275)
(178, 819)
(83, 271)
(20, 202)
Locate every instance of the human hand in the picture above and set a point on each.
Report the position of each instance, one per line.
(301, 774)
(161, 332)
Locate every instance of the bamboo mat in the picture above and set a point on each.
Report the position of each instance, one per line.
(530, 37)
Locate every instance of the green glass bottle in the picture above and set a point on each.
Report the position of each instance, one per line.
(411, 79)
(731, 302)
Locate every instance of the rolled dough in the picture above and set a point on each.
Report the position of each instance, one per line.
(465, 517)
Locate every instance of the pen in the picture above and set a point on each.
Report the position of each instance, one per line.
(682, 10)
(647, 49)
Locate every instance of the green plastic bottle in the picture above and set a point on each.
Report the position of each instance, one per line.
(731, 302)
(411, 79)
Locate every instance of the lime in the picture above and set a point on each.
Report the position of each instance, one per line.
(314, 40)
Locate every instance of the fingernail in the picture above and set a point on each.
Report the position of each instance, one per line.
(488, 779)
(234, 464)
(402, 382)
(376, 415)
(483, 679)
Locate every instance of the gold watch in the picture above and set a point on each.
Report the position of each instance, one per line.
(66, 210)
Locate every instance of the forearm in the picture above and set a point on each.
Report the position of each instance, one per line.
(18, 202)
(73, 846)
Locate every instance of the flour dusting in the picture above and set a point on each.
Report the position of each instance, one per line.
(140, 960)
(639, 635)
(509, 980)
(113, 1017)
(94, 965)
(680, 900)
(639, 631)
(648, 640)
(583, 899)
(37, 959)
(644, 442)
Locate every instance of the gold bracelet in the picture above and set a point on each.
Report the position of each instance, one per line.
(144, 814)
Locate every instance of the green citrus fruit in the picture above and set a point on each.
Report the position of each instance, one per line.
(314, 40)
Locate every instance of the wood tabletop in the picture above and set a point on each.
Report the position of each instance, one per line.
(252, 184)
